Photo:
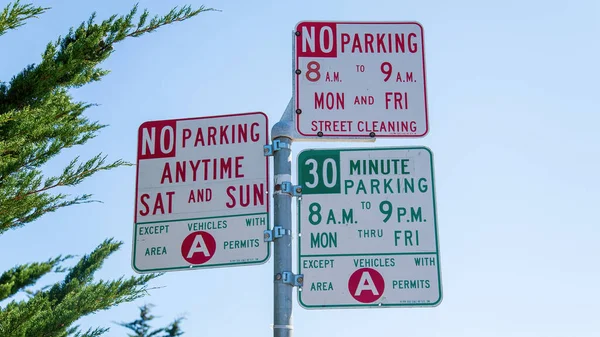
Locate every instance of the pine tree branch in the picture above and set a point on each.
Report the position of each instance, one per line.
(14, 15)
(71, 61)
(19, 277)
(74, 332)
(174, 15)
(52, 312)
(55, 124)
(29, 198)
(174, 329)
(71, 177)
(84, 270)
(38, 119)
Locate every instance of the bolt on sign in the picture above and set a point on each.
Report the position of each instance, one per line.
(356, 79)
(201, 193)
(367, 228)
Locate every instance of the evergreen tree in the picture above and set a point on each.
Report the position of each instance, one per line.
(39, 119)
(141, 326)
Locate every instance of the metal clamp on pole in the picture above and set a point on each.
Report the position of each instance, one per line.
(295, 280)
(276, 146)
(293, 190)
(275, 233)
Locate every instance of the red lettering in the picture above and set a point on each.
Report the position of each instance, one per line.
(345, 40)
(243, 133)
(369, 43)
(215, 168)
(156, 139)
(238, 166)
(225, 168)
(329, 100)
(187, 133)
(254, 133)
(379, 43)
(158, 206)
(170, 201)
(223, 133)
(194, 169)
(316, 39)
(387, 126)
(331, 126)
(180, 171)
(212, 134)
(364, 100)
(166, 174)
(356, 44)
(399, 39)
(247, 195)
(200, 195)
(199, 138)
(205, 162)
(143, 201)
(400, 100)
(229, 190)
(412, 46)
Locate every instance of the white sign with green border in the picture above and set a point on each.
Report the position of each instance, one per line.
(367, 228)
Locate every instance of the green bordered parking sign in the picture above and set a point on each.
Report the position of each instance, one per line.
(367, 228)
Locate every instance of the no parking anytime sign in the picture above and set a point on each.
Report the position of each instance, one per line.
(201, 193)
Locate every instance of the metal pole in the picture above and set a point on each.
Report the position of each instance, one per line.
(282, 132)
(282, 247)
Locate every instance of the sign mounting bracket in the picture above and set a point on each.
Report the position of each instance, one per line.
(277, 232)
(295, 280)
(276, 146)
(287, 188)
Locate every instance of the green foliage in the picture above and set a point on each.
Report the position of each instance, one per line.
(15, 14)
(39, 119)
(141, 326)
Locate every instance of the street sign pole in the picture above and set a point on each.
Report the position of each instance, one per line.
(282, 295)
(281, 233)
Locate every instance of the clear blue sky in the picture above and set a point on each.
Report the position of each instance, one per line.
(513, 97)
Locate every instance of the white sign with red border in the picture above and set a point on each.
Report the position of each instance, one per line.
(201, 193)
(359, 79)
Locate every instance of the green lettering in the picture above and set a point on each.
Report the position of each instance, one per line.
(347, 216)
(361, 186)
(323, 240)
(375, 186)
(331, 217)
(404, 166)
(415, 216)
(354, 166)
(347, 185)
(423, 185)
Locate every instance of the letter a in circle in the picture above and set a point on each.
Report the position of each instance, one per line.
(198, 247)
(366, 283)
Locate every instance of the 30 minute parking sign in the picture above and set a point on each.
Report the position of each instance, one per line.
(367, 228)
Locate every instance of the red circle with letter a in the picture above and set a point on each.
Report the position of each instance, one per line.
(198, 247)
(366, 285)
